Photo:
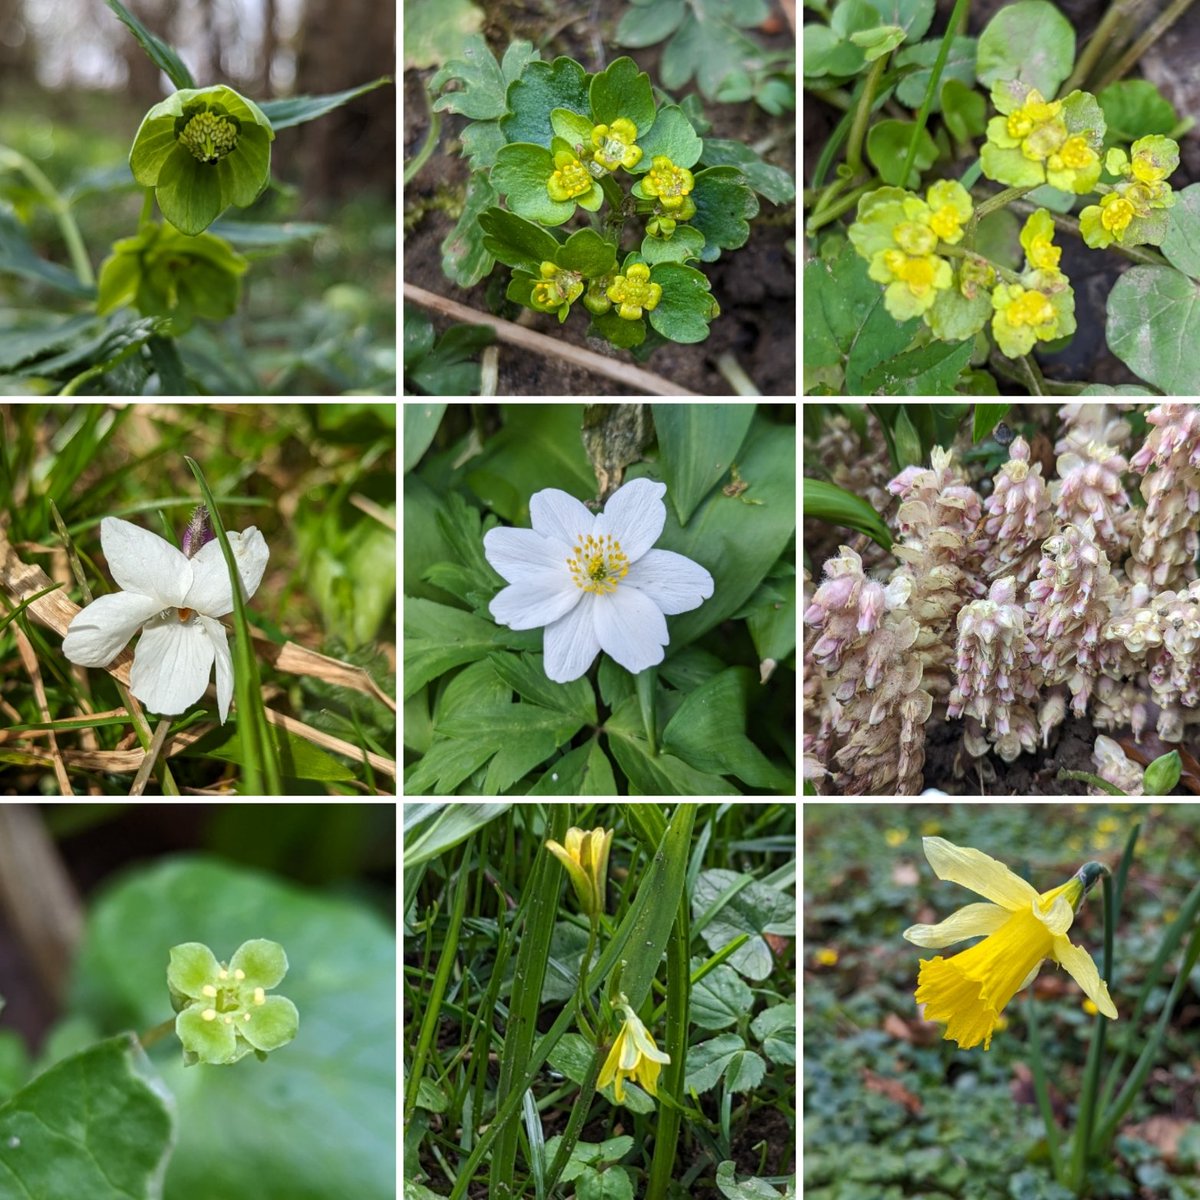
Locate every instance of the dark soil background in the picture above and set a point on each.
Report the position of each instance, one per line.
(1170, 64)
(755, 285)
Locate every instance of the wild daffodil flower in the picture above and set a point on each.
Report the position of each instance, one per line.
(633, 1056)
(1021, 930)
(585, 857)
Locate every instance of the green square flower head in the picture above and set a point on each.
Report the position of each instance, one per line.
(224, 1011)
(203, 150)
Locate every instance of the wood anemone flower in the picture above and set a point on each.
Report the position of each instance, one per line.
(1021, 930)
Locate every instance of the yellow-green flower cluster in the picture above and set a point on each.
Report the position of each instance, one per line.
(1036, 141)
(1134, 211)
(898, 234)
(1041, 306)
(613, 145)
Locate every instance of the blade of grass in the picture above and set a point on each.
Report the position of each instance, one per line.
(262, 760)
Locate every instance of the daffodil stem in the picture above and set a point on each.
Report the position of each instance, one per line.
(1091, 1080)
(151, 1036)
(1040, 1087)
(579, 1112)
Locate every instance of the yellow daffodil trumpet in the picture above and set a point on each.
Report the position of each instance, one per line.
(585, 857)
(1020, 928)
(633, 1056)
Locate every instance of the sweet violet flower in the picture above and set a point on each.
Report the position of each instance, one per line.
(593, 581)
(175, 598)
(224, 1011)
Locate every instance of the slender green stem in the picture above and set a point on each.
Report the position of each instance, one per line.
(828, 211)
(1033, 374)
(72, 386)
(60, 207)
(152, 1036)
(1100, 41)
(147, 213)
(999, 200)
(1091, 1081)
(957, 17)
(1088, 777)
(1041, 1087)
(423, 155)
(1156, 29)
(579, 1111)
(862, 114)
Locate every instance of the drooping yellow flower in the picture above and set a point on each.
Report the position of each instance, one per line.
(1022, 929)
(633, 1056)
(585, 857)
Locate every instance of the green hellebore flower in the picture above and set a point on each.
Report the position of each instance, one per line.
(224, 1012)
(162, 272)
(203, 150)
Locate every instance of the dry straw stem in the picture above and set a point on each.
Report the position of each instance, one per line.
(634, 378)
(20, 580)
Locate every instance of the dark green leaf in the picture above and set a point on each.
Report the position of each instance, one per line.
(645, 26)
(584, 771)
(18, 257)
(1135, 108)
(296, 110)
(672, 135)
(588, 253)
(724, 204)
(686, 305)
(931, 370)
(621, 90)
(769, 181)
(465, 259)
(959, 67)
(1030, 41)
(160, 53)
(526, 675)
(987, 417)
(517, 242)
(542, 88)
(828, 502)
(697, 445)
(421, 421)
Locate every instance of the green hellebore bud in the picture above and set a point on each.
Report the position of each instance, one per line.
(224, 1011)
(202, 150)
(162, 272)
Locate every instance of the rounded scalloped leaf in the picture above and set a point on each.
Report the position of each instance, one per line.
(672, 135)
(621, 90)
(1154, 327)
(953, 317)
(618, 331)
(572, 127)
(588, 253)
(683, 244)
(686, 305)
(516, 242)
(1030, 41)
(959, 67)
(1082, 114)
(1135, 107)
(723, 206)
(887, 148)
(1181, 244)
(520, 175)
(542, 88)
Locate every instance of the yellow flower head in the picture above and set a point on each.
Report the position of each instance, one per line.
(633, 1056)
(585, 857)
(1020, 929)
(633, 292)
(569, 179)
(668, 183)
(612, 145)
(1037, 240)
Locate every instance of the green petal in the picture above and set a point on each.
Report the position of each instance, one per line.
(154, 142)
(247, 171)
(210, 1041)
(264, 962)
(188, 192)
(192, 965)
(272, 1024)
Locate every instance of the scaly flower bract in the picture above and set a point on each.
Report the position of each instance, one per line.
(1021, 930)
(176, 602)
(633, 1056)
(585, 856)
(224, 1011)
(593, 581)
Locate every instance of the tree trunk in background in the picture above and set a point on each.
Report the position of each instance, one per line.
(16, 49)
(270, 45)
(345, 43)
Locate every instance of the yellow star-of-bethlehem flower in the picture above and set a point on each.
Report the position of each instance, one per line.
(633, 1056)
(1020, 929)
(585, 857)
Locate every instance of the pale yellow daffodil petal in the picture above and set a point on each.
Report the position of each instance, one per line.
(1079, 965)
(974, 920)
(979, 872)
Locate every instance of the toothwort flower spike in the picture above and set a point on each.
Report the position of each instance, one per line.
(176, 603)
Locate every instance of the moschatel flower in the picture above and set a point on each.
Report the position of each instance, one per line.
(556, 290)
(585, 857)
(593, 581)
(666, 183)
(203, 150)
(571, 180)
(224, 1011)
(1020, 930)
(175, 598)
(633, 1056)
(613, 145)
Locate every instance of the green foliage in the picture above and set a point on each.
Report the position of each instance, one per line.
(549, 140)
(444, 367)
(490, 719)
(1030, 41)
